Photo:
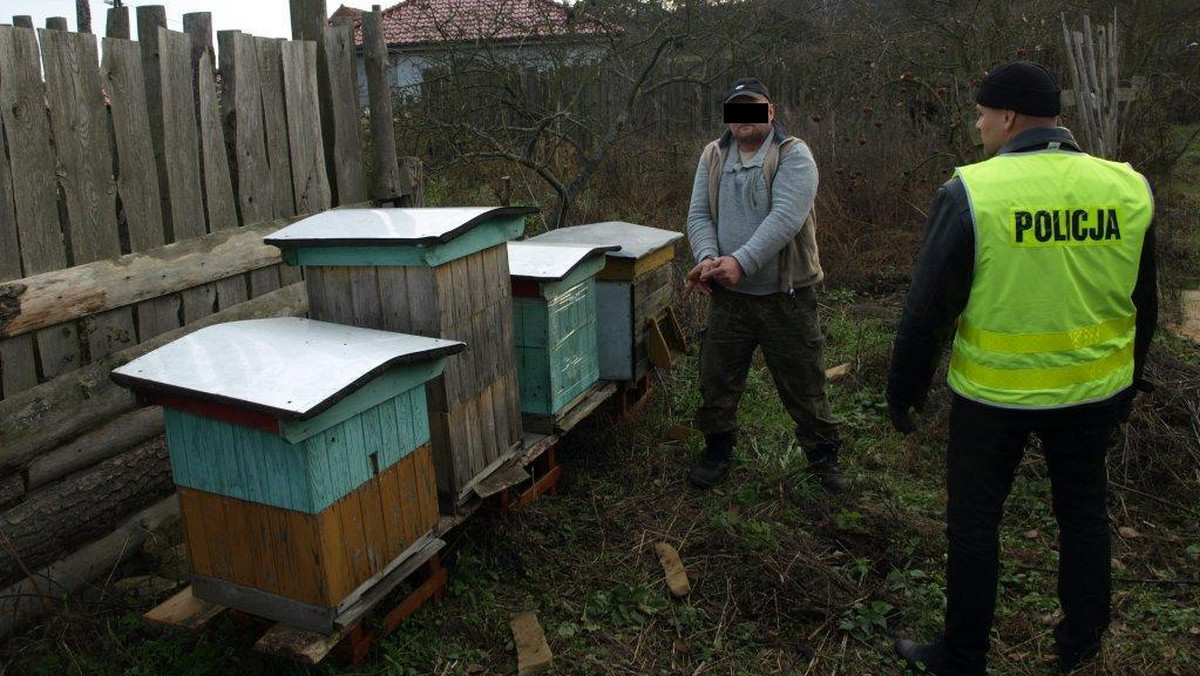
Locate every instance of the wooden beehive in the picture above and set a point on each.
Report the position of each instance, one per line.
(633, 291)
(302, 458)
(440, 273)
(554, 323)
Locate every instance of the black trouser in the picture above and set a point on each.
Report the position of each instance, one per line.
(986, 444)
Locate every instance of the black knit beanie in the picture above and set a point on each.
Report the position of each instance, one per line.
(1021, 86)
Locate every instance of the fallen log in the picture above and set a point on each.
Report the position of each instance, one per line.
(88, 505)
(28, 600)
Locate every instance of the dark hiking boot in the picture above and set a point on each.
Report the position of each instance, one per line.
(1070, 660)
(714, 466)
(929, 658)
(830, 474)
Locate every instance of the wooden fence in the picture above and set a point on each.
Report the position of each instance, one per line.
(137, 180)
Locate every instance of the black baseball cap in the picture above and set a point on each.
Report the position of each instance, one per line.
(747, 86)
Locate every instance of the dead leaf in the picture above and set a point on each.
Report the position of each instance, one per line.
(1032, 534)
(1128, 532)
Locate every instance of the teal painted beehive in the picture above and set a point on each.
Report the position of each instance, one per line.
(633, 291)
(554, 322)
(301, 453)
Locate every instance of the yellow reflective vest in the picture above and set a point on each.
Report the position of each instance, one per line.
(1058, 241)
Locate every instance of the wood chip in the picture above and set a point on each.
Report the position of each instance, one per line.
(681, 433)
(1128, 532)
(838, 371)
(533, 653)
(677, 579)
(184, 611)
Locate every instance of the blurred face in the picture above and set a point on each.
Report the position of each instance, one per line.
(995, 126)
(752, 133)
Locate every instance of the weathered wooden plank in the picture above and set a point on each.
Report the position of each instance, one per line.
(57, 23)
(198, 26)
(137, 175)
(242, 105)
(149, 19)
(52, 298)
(364, 295)
(275, 126)
(84, 169)
(18, 367)
(43, 417)
(181, 148)
(379, 92)
(35, 193)
(309, 180)
(22, 21)
(218, 188)
(117, 25)
(393, 299)
(347, 156)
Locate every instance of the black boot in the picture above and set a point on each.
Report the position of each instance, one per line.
(718, 454)
(824, 465)
(929, 658)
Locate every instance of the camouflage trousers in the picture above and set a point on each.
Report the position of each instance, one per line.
(786, 328)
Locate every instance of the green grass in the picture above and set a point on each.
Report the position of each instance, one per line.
(786, 579)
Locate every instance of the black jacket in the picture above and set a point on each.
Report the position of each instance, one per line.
(942, 282)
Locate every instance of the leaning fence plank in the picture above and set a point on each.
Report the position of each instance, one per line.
(242, 99)
(383, 136)
(17, 367)
(35, 195)
(137, 176)
(149, 19)
(270, 74)
(344, 97)
(181, 146)
(51, 298)
(304, 127)
(218, 190)
(84, 169)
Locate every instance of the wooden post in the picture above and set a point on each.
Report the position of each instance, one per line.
(118, 23)
(383, 136)
(83, 16)
(23, 21)
(57, 23)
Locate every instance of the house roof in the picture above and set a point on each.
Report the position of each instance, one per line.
(432, 21)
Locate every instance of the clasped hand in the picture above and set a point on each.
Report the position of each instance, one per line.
(724, 270)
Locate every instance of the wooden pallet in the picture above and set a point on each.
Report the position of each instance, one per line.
(351, 640)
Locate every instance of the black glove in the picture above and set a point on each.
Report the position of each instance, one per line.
(1125, 407)
(902, 417)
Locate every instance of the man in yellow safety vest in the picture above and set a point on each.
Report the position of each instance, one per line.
(1040, 263)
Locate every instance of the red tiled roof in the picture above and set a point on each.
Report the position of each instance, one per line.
(342, 10)
(423, 21)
